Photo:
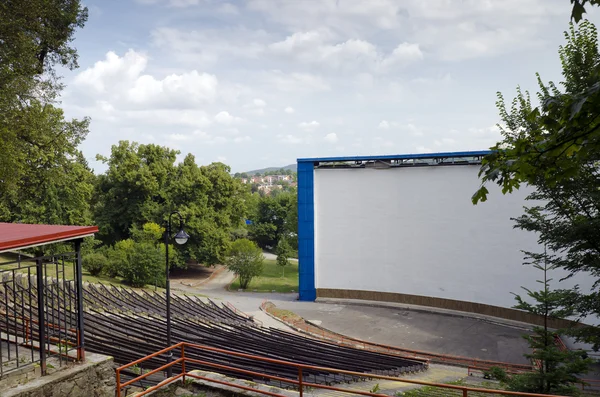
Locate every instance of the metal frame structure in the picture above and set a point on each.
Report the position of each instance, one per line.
(41, 305)
(42, 310)
(306, 210)
(299, 381)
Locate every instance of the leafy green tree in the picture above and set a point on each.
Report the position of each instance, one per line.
(144, 265)
(283, 251)
(118, 258)
(273, 218)
(245, 260)
(559, 138)
(142, 184)
(133, 190)
(579, 8)
(556, 371)
(94, 263)
(153, 233)
(213, 204)
(44, 177)
(566, 203)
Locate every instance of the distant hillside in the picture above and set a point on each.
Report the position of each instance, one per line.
(263, 170)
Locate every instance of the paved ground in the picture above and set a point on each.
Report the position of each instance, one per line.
(427, 331)
(434, 332)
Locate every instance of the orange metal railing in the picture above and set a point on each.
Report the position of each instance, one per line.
(28, 339)
(299, 381)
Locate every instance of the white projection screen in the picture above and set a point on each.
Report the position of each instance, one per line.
(414, 230)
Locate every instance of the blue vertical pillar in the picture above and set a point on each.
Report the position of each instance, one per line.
(306, 231)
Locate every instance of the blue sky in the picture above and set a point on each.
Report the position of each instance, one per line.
(262, 82)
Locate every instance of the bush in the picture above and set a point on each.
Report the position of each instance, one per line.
(117, 260)
(245, 259)
(144, 265)
(94, 263)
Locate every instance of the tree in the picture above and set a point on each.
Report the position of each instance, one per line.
(94, 263)
(133, 190)
(566, 210)
(557, 370)
(579, 8)
(153, 233)
(118, 258)
(143, 184)
(245, 260)
(45, 179)
(283, 251)
(144, 265)
(53, 181)
(561, 136)
(273, 218)
(213, 203)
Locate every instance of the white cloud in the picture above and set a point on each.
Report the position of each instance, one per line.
(112, 71)
(349, 16)
(205, 137)
(381, 143)
(320, 47)
(444, 142)
(451, 29)
(292, 139)
(384, 125)
(209, 46)
(309, 126)
(242, 139)
(228, 8)
(413, 129)
(331, 137)
(184, 90)
(256, 107)
(119, 79)
(295, 82)
(392, 75)
(221, 159)
(225, 118)
(404, 54)
(179, 137)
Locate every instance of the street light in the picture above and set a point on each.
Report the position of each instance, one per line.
(180, 238)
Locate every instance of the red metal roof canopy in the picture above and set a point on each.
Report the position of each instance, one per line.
(22, 235)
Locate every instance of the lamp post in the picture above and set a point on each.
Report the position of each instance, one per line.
(180, 238)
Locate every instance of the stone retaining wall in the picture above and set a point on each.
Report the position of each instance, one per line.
(94, 378)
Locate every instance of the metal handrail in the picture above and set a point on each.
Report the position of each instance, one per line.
(299, 382)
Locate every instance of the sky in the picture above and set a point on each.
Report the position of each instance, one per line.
(261, 83)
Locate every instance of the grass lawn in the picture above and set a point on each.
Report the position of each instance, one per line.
(271, 279)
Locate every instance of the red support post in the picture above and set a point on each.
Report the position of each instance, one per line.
(183, 362)
(118, 383)
(300, 381)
